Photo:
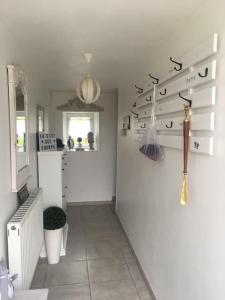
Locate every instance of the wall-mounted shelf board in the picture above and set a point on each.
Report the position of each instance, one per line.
(147, 99)
(201, 75)
(198, 122)
(145, 113)
(201, 52)
(202, 145)
(200, 99)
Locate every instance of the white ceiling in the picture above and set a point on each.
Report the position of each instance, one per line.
(120, 33)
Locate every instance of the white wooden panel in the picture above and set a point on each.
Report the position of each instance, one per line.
(198, 122)
(203, 121)
(145, 113)
(170, 124)
(203, 51)
(191, 80)
(203, 98)
(202, 145)
(197, 144)
(141, 124)
(144, 100)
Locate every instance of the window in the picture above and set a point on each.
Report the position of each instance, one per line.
(79, 125)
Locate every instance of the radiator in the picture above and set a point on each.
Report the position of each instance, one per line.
(25, 239)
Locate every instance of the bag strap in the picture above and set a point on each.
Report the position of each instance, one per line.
(153, 105)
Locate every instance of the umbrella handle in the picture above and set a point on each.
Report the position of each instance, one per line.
(186, 129)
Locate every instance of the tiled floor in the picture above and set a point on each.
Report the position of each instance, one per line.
(99, 264)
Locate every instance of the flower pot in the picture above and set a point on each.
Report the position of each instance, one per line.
(53, 240)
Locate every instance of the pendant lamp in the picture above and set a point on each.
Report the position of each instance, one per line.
(88, 89)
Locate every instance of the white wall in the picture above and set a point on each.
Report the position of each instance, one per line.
(91, 175)
(181, 249)
(13, 52)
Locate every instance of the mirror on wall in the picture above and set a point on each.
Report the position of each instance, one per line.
(40, 118)
(21, 125)
(18, 128)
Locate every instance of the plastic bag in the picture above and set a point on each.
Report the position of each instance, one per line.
(149, 145)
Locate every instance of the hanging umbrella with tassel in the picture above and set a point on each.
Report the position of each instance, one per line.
(186, 130)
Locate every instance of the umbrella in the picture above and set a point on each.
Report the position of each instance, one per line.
(186, 129)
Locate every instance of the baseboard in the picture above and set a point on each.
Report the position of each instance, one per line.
(109, 202)
(137, 260)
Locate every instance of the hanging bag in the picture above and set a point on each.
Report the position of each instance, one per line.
(150, 146)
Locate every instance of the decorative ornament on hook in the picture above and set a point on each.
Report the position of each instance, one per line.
(88, 90)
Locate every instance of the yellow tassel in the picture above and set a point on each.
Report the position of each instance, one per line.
(184, 191)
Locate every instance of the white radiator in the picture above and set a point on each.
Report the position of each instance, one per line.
(25, 239)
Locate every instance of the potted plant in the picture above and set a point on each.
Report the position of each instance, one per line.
(54, 221)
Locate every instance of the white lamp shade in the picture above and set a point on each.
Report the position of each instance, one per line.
(88, 90)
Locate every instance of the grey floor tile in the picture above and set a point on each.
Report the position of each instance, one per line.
(114, 290)
(70, 292)
(107, 248)
(95, 211)
(75, 225)
(67, 273)
(98, 231)
(75, 236)
(74, 211)
(75, 250)
(107, 269)
(38, 281)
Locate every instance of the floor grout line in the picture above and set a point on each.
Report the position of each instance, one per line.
(132, 279)
(85, 249)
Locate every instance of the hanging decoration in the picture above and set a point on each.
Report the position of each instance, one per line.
(186, 130)
(88, 90)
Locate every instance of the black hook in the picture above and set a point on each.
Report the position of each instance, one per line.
(135, 115)
(185, 99)
(139, 90)
(156, 80)
(196, 145)
(163, 93)
(206, 73)
(143, 126)
(149, 99)
(135, 104)
(180, 65)
(170, 126)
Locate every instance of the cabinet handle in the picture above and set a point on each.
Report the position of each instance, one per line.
(62, 169)
(65, 164)
(63, 196)
(65, 187)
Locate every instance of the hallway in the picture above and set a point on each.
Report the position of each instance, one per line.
(99, 264)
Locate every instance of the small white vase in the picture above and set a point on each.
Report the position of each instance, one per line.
(53, 239)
